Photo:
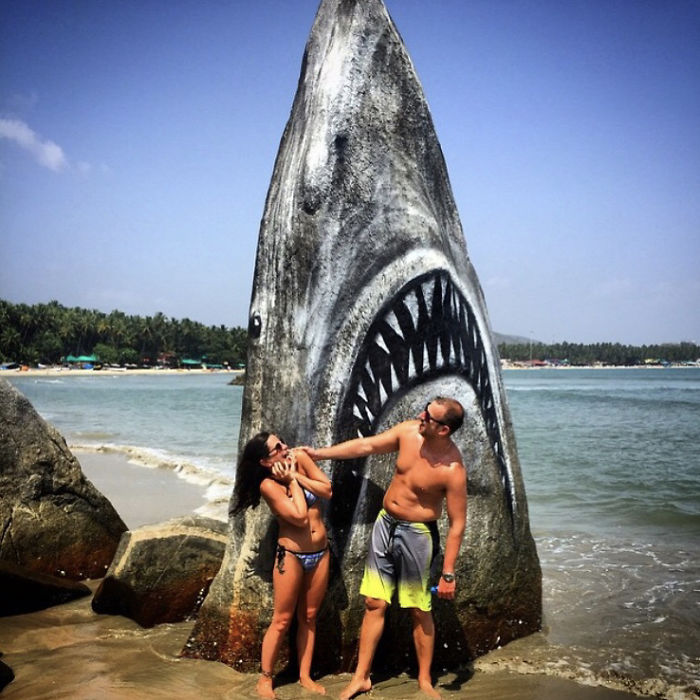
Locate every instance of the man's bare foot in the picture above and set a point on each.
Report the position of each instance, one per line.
(312, 686)
(264, 688)
(355, 687)
(427, 688)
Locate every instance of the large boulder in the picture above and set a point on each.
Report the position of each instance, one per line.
(380, 312)
(52, 519)
(161, 573)
(25, 591)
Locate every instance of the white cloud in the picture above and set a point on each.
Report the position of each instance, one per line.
(47, 153)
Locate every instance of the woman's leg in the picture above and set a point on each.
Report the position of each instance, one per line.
(310, 599)
(286, 585)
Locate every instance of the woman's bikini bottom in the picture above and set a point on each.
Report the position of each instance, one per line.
(308, 560)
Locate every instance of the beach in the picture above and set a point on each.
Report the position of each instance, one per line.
(68, 651)
(610, 464)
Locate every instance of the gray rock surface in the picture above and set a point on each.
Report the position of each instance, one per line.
(365, 306)
(161, 573)
(52, 519)
(25, 591)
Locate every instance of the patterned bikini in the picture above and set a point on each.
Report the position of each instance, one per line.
(308, 560)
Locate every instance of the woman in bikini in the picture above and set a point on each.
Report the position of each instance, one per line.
(292, 486)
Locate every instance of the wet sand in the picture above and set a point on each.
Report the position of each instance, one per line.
(68, 651)
(133, 490)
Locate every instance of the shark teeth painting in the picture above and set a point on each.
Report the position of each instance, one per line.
(429, 329)
(365, 306)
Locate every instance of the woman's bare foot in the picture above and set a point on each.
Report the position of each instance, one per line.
(264, 688)
(312, 686)
(355, 687)
(427, 688)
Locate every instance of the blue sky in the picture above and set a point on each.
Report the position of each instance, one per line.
(137, 141)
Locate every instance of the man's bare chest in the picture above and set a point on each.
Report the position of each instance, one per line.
(421, 477)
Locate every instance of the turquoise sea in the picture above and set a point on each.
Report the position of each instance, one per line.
(611, 462)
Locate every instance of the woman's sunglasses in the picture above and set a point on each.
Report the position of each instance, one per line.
(279, 446)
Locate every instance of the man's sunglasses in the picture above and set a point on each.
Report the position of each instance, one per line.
(429, 417)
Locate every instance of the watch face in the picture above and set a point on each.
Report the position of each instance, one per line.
(449, 577)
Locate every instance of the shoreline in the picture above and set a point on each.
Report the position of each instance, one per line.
(233, 373)
(130, 486)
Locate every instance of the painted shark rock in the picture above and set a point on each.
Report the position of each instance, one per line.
(365, 306)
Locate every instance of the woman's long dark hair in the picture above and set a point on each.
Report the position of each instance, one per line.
(250, 474)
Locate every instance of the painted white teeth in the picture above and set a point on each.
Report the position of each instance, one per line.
(412, 372)
(379, 340)
(411, 303)
(361, 392)
(439, 360)
(428, 288)
(383, 396)
(394, 324)
(394, 379)
(426, 359)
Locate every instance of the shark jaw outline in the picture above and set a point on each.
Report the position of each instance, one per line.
(428, 329)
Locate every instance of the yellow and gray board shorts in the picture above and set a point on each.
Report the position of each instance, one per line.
(400, 551)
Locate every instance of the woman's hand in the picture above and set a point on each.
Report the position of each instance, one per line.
(285, 471)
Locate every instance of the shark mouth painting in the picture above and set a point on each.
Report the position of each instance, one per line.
(427, 330)
(365, 305)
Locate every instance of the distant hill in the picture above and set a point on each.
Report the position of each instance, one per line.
(512, 339)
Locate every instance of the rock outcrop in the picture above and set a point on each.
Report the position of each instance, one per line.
(25, 591)
(380, 311)
(161, 573)
(52, 519)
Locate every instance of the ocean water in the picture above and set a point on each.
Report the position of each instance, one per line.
(611, 462)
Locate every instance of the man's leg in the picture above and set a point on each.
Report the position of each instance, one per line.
(370, 634)
(424, 639)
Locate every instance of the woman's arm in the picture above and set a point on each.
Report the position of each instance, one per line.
(311, 477)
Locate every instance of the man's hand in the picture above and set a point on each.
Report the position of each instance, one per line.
(446, 590)
(311, 451)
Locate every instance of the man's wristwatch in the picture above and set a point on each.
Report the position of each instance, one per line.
(448, 577)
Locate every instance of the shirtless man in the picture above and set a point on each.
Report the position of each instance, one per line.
(429, 469)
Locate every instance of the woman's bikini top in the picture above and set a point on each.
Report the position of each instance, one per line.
(310, 497)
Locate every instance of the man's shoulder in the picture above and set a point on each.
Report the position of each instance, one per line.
(457, 455)
(407, 428)
(456, 466)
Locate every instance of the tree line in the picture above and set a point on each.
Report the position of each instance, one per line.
(49, 333)
(605, 353)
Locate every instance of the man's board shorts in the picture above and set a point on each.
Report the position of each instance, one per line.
(400, 551)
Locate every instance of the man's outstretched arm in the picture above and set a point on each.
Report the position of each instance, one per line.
(388, 441)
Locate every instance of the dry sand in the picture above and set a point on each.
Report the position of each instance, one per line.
(68, 372)
(70, 652)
